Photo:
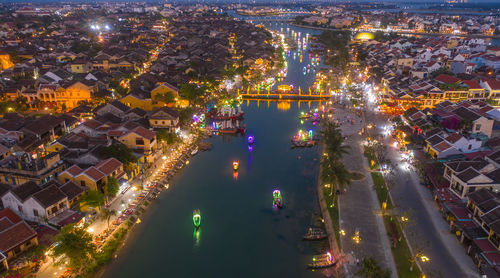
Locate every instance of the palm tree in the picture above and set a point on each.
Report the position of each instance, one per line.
(334, 141)
(106, 214)
(336, 174)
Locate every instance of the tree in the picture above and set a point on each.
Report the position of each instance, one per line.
(334, 141)
(185, 115)
(106, 214)
(121, 152)
(94, 199)
(76, 244)
(112, 187)
(192, 92)
(168, 97)
(334, 172)
(371, 269)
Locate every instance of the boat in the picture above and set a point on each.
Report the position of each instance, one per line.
(250, 139)
(315, 234)
(229, 130)
(196, 218)
(195, 151)
(277, 200)
(322, 261)
(236, 165)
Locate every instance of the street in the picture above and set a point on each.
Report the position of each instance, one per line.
(427, 231)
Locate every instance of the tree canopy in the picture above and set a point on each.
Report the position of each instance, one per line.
(76, 244)
(94, 198)
(112, 187)
(192, 92)
(122, 153)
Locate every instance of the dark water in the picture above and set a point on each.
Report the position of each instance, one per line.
(241, 234)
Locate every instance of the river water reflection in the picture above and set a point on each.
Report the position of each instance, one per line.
(241, 234)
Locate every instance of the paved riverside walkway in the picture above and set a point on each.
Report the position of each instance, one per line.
(359, 207)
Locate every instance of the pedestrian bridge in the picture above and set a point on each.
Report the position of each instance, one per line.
(289, 95)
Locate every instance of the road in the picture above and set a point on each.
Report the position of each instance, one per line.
(427, 231)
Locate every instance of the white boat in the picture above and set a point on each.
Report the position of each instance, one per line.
(195, 151)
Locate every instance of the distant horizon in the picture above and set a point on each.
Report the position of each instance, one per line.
(262, 2)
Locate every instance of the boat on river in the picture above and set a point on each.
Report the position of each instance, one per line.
(304, 115)
(196, 218)
(195, 151)
(315, 234)
(277, 200)
(322, 261)
(236, 165)
(250, 140)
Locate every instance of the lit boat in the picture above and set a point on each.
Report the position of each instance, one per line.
(195, 151)
(250, 140)
(277, 200)
(315, 234)
(196, 218)
(236, 165)
(323, 261)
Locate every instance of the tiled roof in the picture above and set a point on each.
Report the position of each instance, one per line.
(172, 114)
(447, 79)
(15, 235)
(109, 165)
(25, 190)
(473, 84)
(92, 123)
(453, 138)
(468, 174)
(43, 124)
(119, 105)
(13, 231)
(466, 114)
(74, 170)
(72, 190)
(143, 132)
(494, 84)
(94, 173)
(435, 139)
(481, 195)
(459, 166)
(49, 196)
(442, 146)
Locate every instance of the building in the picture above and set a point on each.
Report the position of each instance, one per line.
(94, 177)
(69, 94)
(164, 118)
(23, 168)
(15, 237)
(36, 203)
(140, 140)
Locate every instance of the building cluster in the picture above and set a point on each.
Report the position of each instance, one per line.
(100, 82)
(426, 71)
(462, 141)
(47, 163)
(209, 46)
(379, 19)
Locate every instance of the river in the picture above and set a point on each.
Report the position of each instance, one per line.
(241, 234)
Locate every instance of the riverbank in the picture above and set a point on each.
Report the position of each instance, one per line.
(480, 36)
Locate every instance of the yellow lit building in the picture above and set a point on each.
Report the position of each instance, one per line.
(5, 61)
(68, 95)
(150, 102)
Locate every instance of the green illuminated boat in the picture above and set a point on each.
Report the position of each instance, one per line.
(277, 201)
(196, 218)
